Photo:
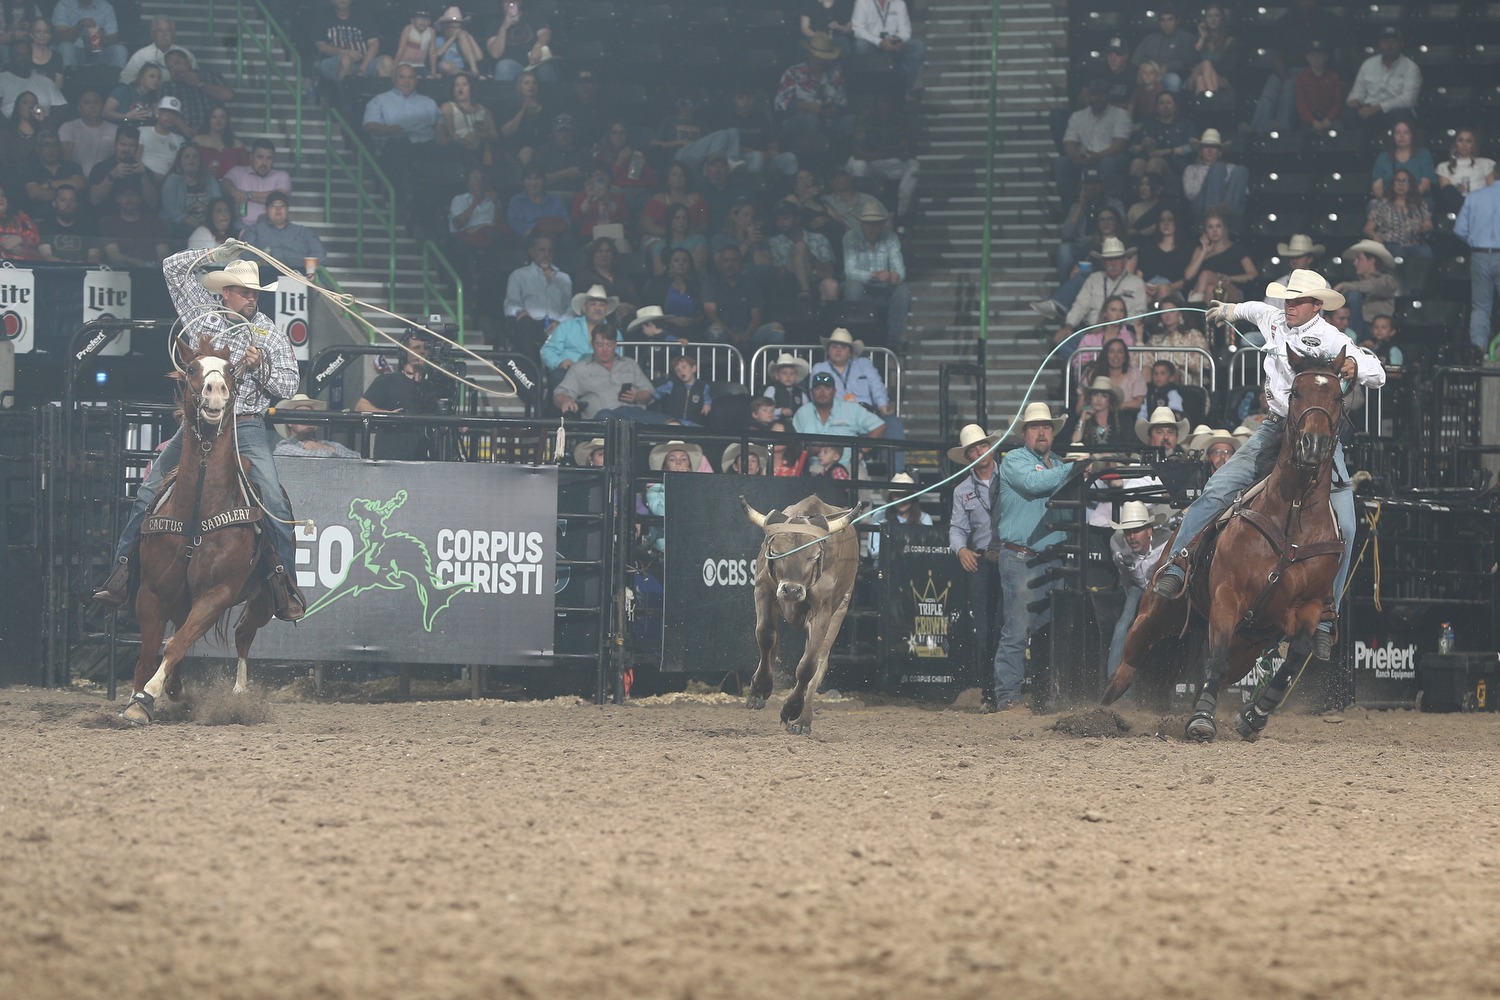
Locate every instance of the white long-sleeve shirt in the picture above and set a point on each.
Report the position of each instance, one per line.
(869, 20)
(1316, 336)
(1395, 86)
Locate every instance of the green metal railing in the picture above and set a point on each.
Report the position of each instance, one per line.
(328, 281)
(272, 67)
(383, 216)
(432, 291)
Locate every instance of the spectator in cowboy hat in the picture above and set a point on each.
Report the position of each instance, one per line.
(1101, 421)
(650, 322)
(1297, 253)
(572, 340)
(1024, 529)
(1109, 279)
(788, 386)
(1211, 184)
(1164, 429)
(669, 456)
(811, 96)
(1216, 445)
(301, 440)
(757, 460)
(1140, 538)
(857, 381)
(970, 530)
(906, 509)
(875, 271)
(1373, 291)
(589, 454)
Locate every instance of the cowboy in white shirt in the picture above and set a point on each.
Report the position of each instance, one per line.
(1136, 547)
(1306, 295)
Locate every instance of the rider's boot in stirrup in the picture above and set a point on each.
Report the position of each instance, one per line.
(1172, 580)
(1323, 636)
(116, 590)
(289, 604)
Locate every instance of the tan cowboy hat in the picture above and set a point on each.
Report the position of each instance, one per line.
(1135, 514)
(1040, 413)
(1242, 433)
(660, 452)
(873, 211)
(1210, 137)
(1105, 384)
(583, 452)
(453, 14)
(595, 292)
(842, 336)
(1306, 284)
(1374, 249)
(301, 401)
(1111, 249)
(244, 273)
(901, 479)
(1206, 440)
(544, 54)
(1300, 245)
(971, 435)
(820, 46)
(785, 360)
(646, 314)
(1160, 416)
(759, 450)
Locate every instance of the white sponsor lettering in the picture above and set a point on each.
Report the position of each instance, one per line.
(329, 554)
(495, 562)
(727, 573)
(1387, 661)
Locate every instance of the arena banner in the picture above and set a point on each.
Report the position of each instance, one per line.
(291, 315)
(923, 626)
(107, 295)
(18, 308)
(709, 614)
(419, 562)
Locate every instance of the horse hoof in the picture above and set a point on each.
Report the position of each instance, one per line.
(755, 701)
(135, 715)
(1202, 729)
(1248, 724)
(799, 728)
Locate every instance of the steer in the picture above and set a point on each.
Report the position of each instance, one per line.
(811, 583)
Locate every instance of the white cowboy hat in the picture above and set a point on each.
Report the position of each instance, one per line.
(1306, 284)
(1374, 249)
(301, 401)
(785, 360)
(1040, 413)
(820, 46)
(660, 452)
(646, 314)
(1161, 416)
(595, 292)
(1105, 384)
(842, 336)
(901, 479)
(244, 273)
(1206, 440)
(1210, 137)
(453, 14)
(971, 435)
(873, 211)
(1135, 514)
(1111, 249)
(1300, 245)
(583, 452)
(1242, 433)
(759, 450)
(543, 55)
(1200, 429)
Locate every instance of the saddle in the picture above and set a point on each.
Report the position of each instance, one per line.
(251, 514)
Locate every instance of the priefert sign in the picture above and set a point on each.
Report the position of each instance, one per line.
(1388, 660)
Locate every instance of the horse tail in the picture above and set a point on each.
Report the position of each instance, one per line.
(221, 628)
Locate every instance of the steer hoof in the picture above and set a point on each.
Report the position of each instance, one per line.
(756, 701)
(1201, 728)
(799, 728)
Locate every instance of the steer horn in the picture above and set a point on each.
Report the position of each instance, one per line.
(755, 517)
(843, 521)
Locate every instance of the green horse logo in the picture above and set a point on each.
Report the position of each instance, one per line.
(390, 560)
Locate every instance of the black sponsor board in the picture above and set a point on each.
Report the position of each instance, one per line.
(413, 562)
(924, 627)
(709, 617)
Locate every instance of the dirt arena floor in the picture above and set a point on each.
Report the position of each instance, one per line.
(687, 848)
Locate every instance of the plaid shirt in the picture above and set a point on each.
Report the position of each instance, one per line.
(197, 103)
(277, 375)
(803, 82)
(863, 259)
(1395, 223)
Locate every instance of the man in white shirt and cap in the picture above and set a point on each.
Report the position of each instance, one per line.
(1305, 295)
(1140, 538)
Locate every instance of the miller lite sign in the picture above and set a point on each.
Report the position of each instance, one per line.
(18, 308)
(106, 295)
(291, 315)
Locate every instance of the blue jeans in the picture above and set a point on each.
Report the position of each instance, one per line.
(509, 69)
(254, 447)
(1238, 475)
(766, 333)
(908, 58)
(77, 53)
(637, 413)
(1122, 627)
(725, 142)
(1022, 583)
(1484, 282)
(896, 299)
(782, 163)
(1274, 108)
(328, 69)
(806, 132)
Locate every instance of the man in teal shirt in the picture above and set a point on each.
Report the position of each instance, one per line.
(827, 415)
(1024, 528)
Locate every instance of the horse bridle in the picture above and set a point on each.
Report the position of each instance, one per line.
(1333, 422)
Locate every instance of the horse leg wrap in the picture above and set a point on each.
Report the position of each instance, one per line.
(146, 702)
(1202, 726)
(1250, 722)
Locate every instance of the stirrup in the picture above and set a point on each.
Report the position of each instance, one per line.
(115, 593)
(1168, 585)
(287, 602)
(1322, 645)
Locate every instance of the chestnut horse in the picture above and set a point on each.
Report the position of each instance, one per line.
(199, 555)
(1265, 569)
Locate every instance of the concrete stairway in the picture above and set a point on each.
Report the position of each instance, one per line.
(947, 242)
(214, 50)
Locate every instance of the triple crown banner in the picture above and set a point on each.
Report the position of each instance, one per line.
(709, 615)
(923, 605)
(413, 562)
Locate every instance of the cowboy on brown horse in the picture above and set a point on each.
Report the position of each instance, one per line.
(263, 356)
(1302, 326)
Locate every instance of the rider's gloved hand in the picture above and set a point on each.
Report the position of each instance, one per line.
(1220, 312)
(229, 250)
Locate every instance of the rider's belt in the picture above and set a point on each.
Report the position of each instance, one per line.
(1018, 549)
(157, 524)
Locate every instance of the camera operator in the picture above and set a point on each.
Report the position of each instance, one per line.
(410, 390)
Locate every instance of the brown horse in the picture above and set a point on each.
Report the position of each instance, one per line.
(199, 556)
(1266, 569)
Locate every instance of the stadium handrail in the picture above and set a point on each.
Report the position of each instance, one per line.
(271, 66)
(327, 280)
(384, 215)
(433, 292)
